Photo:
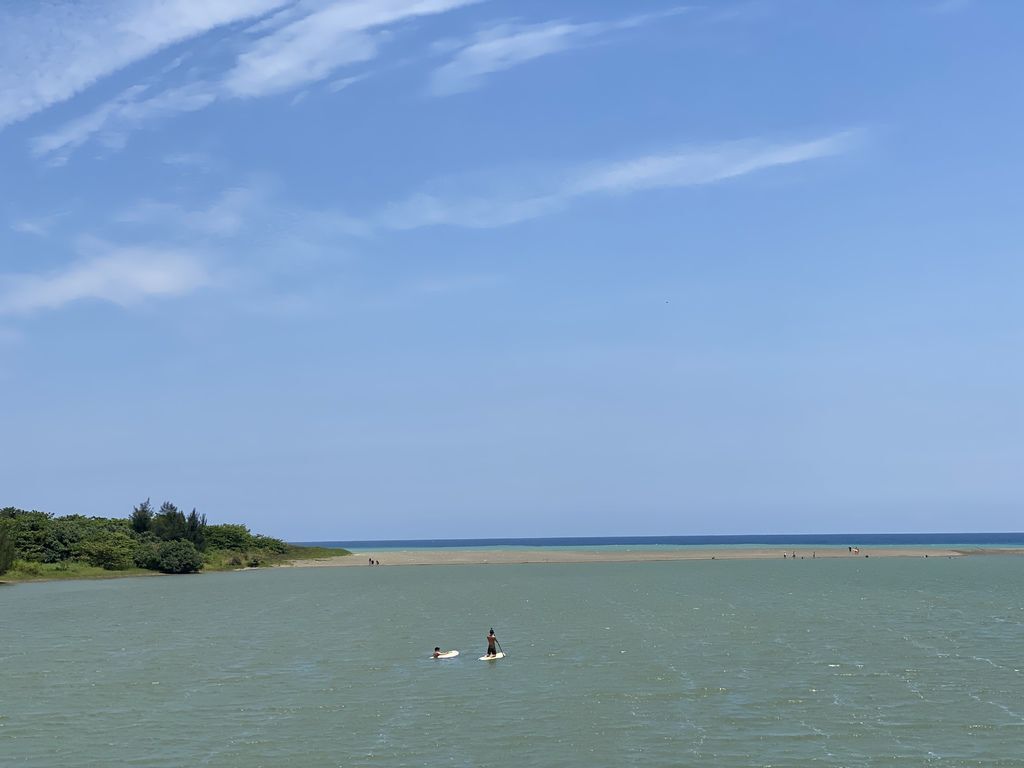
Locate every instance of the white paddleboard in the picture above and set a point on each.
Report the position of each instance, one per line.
(497, 656)
(446, 655)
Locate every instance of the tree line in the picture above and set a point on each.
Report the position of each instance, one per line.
(165, 540)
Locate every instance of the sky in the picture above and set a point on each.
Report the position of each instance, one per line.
(380, 269)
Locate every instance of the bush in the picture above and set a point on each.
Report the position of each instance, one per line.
(147, 554)
(111, 551)
(27, 568)
(179, 556)
(62, 540)
(269, 544)
(29, 530)
(228, 536)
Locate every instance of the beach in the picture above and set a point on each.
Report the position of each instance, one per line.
(486, 556)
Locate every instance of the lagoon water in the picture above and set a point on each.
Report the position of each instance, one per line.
(742, 663)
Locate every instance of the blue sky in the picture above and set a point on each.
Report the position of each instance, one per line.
(439, 268)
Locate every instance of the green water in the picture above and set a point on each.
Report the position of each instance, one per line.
(788, 663)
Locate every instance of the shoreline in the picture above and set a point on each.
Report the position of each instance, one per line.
(566, 555)
(522, 556)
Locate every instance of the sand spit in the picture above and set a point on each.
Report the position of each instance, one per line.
(624, 555)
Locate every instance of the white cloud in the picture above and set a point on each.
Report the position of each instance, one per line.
(51, 51)
(294, 51)
(197, 160)
(112, 121)
(122, 275)
(313, 47)
(37, 227)
(680, 168)
(235, 208)
(507, 45)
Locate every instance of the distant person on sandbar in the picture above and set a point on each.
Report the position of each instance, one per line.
(492, 641)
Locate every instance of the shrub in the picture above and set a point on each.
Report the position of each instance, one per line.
(179, 556)
(228, 536)
(111, 551)
(269, 544)
(29, 530)
(62, 540)
(27, 568)
(147, 554)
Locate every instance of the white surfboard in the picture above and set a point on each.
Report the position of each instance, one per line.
(446, 655)
(495, 657)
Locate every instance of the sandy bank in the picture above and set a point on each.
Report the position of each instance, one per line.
(554, 555)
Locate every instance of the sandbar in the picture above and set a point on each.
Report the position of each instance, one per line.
(472, 556)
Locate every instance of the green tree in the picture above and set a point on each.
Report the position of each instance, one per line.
(228, 536)
(6, 546)
(195, 530)
(142, 517)
(179, 556)
(169, 523)
(29, 530)
(62, 538)
(112, 551)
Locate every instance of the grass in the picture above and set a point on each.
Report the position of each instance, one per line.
(215, 560)
(229, 560)
(23, 571)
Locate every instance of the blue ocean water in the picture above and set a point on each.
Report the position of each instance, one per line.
(782, 540)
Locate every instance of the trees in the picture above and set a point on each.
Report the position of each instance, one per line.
(6, 546)
(61, 539)
(142, 517)
(169, 523)
(195, 530)
(112, 551)
(142, 538)
(228, 536)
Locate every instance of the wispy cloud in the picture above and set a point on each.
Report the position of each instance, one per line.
(52, 51)
(38, 226)
(295, 50)
(112, 121)
(313, 47)
(505, 46)
(223, 217)
(680, 168)
(122, 275)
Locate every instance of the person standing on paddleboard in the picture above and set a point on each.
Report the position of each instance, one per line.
(491, 643)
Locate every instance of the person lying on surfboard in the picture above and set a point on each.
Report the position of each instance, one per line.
(491, 641)
(437, 651)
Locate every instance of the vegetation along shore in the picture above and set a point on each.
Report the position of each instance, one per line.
(36, 546)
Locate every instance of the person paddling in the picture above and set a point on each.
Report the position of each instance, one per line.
(492, 641)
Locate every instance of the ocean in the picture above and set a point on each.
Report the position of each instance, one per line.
(944, 540)
(888, 661)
